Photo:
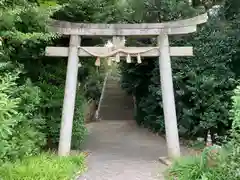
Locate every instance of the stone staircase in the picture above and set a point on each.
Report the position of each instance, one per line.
(116, 104)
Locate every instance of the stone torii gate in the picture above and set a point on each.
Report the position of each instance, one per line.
(118, 32)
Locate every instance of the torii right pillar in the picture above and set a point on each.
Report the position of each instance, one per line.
(169, 109)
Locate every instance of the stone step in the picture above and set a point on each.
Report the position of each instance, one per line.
(113, 87)
(114, 96)
(121, 107)
(116, 91)
(128, 115)
(116, 108)
(113, 84)
(112, 90)
(116, 104)
(116, 101)
(113, 81)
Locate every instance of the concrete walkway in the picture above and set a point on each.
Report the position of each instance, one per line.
(120, 150)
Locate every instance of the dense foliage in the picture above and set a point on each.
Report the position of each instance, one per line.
(203, 83)
(32, 85)
(214, 163)
(22, 123)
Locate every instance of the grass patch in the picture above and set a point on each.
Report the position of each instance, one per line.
(205, 166)
(44, 167)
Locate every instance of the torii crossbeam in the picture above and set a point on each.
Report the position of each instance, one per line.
(118, 32)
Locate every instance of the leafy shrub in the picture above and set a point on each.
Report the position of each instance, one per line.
(22, 31)
(79, 130)
(20, 121)
(231, 167)
(203, 83)
(213, 164)
(93, 86)
(203, 92)
(235, 111)
(43, 167)
(52, 82)
(31, 109)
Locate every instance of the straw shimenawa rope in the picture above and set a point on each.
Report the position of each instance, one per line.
(114, 52)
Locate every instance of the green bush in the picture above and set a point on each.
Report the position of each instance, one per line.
(231, 167)
(203, 83)
(93, 86)
(213, 163)
(22, 28)
(235, 112)
(203, 91)
(37, 92)
(31, 95)
(52, 82)
(79, 130)
(44, 167)
(20, 121)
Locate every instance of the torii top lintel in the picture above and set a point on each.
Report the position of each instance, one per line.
(146, 29)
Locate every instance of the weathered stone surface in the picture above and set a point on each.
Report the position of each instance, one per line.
(145, 29)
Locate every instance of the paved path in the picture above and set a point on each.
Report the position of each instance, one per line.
(120, 150)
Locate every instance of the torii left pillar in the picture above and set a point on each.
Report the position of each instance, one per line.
(69, 97)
